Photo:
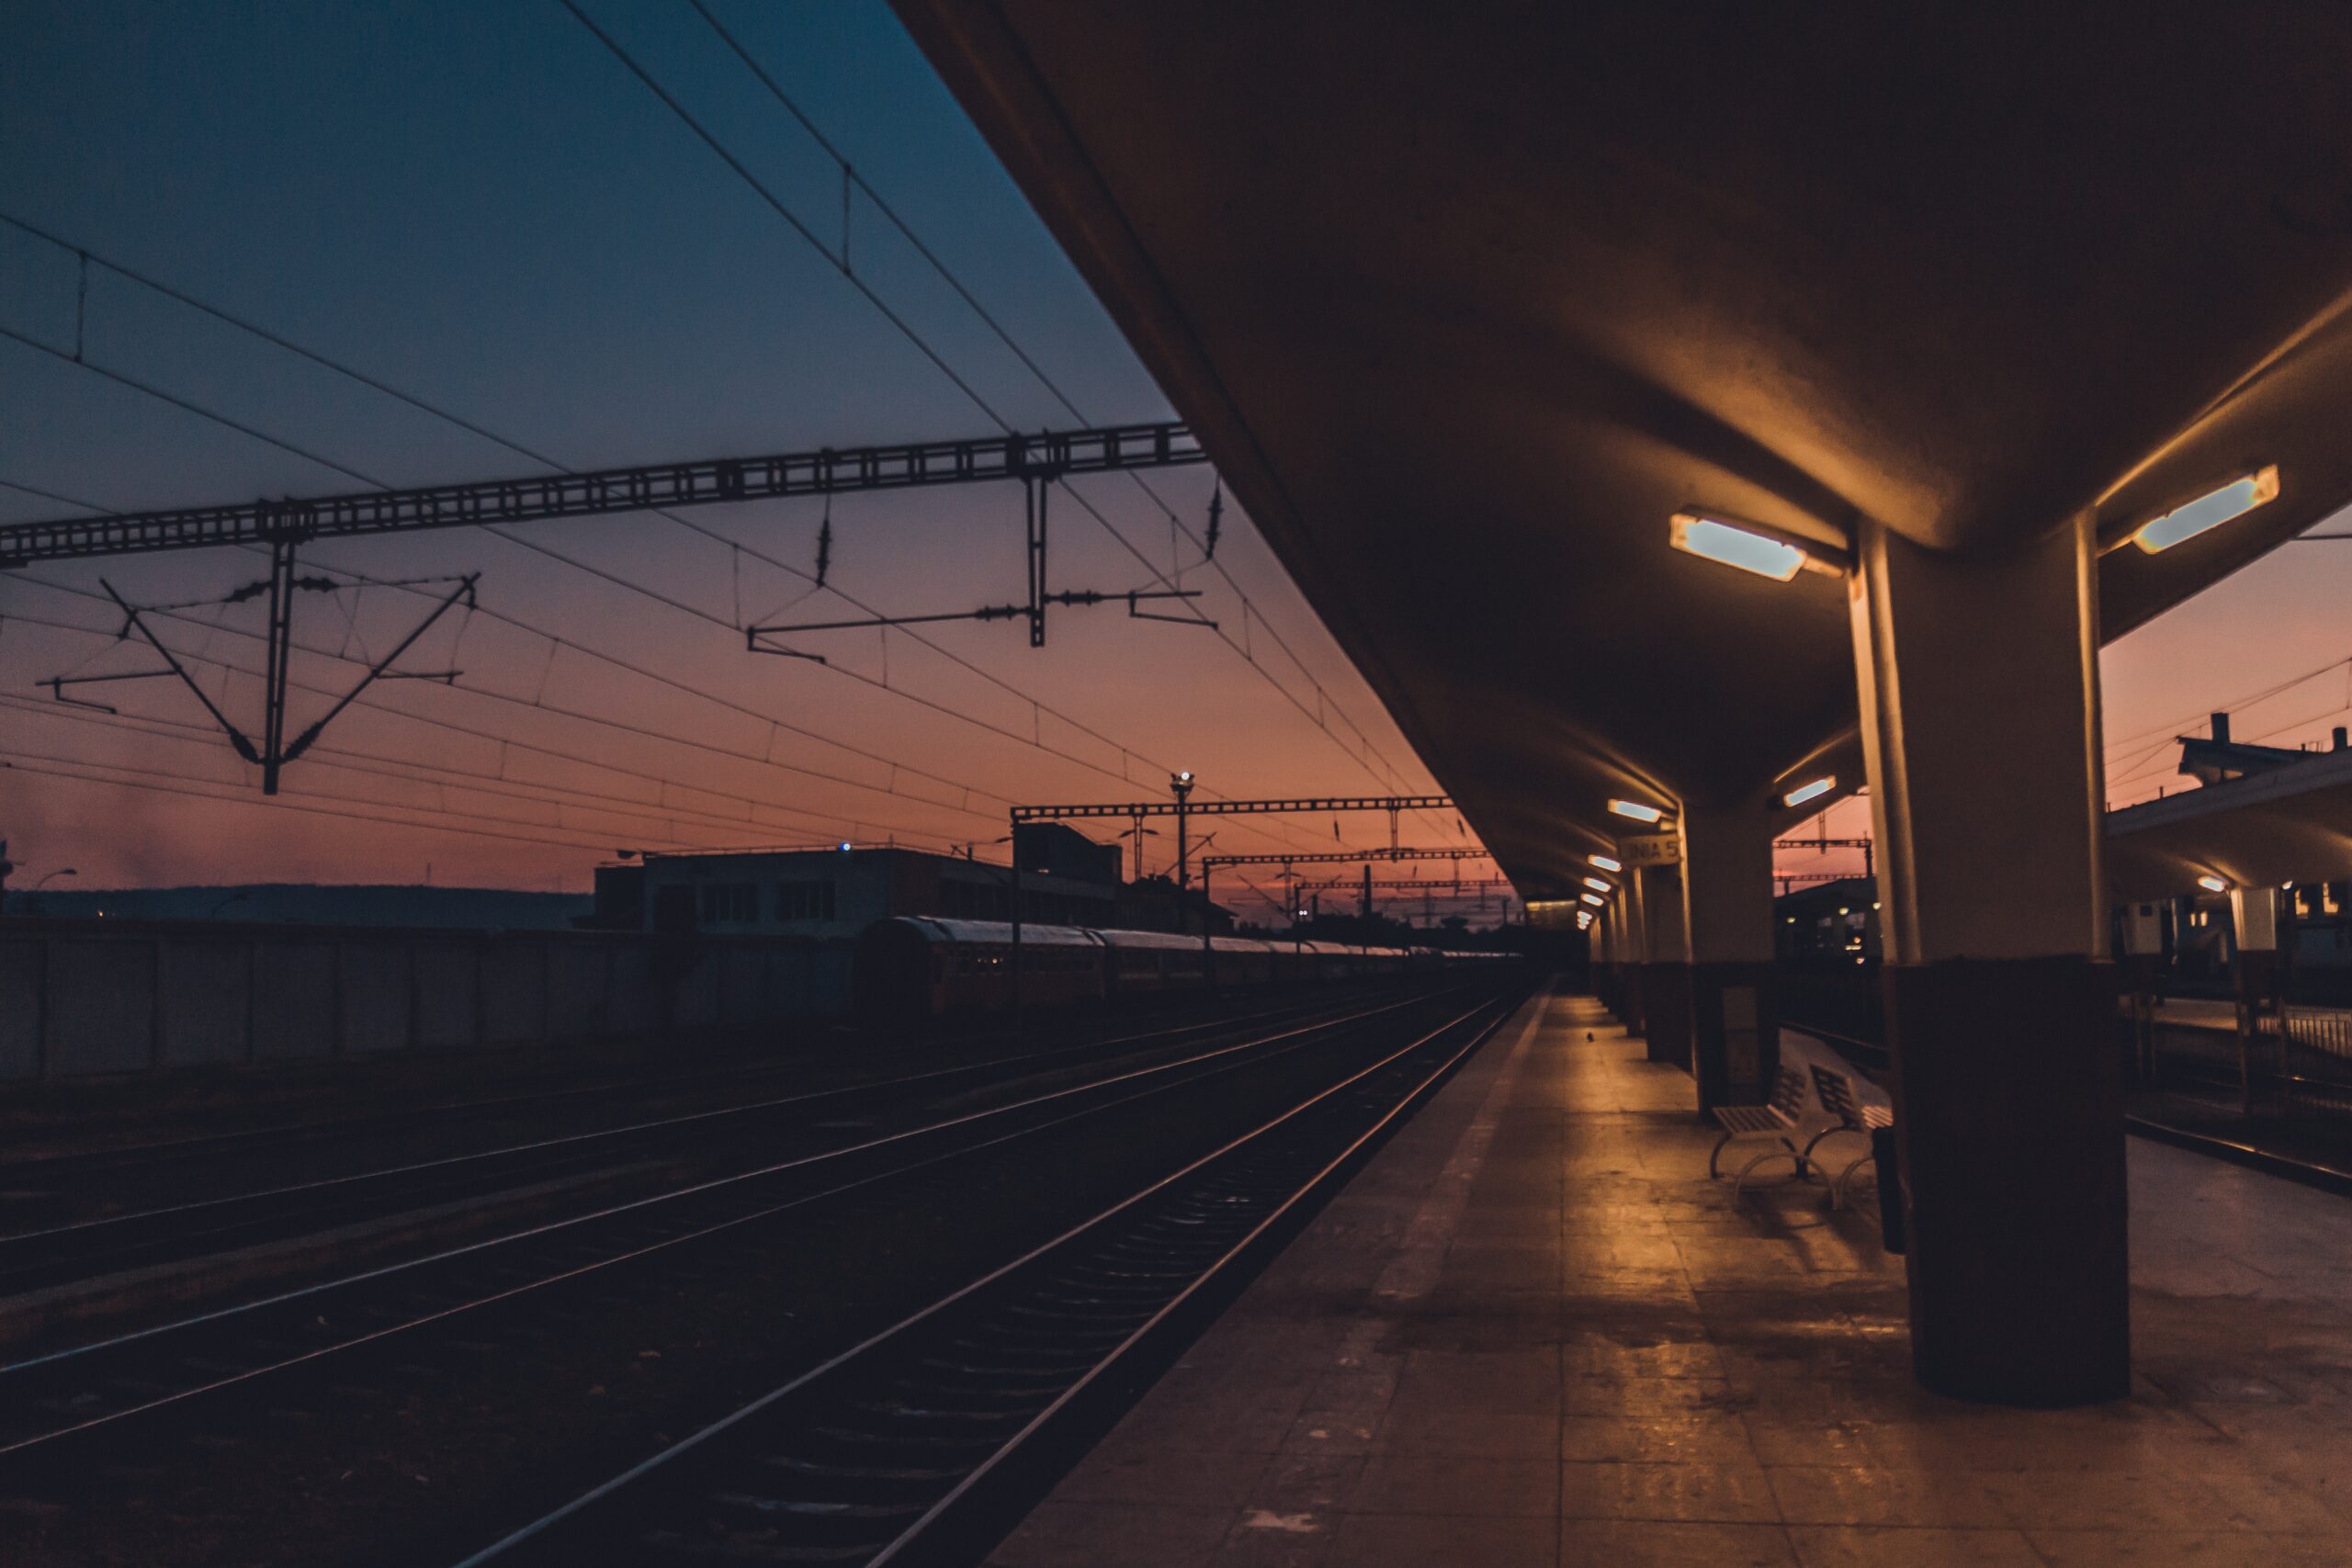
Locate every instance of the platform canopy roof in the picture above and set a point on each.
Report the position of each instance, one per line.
(2291, 824)
(1466, 301)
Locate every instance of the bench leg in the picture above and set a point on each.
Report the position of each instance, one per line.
(1786, 1151)
(1815, 1142)
(1721, 1144)
(1845, 1177)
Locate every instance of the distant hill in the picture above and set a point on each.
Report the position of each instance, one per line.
(314, 904)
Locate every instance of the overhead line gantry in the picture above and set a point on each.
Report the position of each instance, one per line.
(282, 526)
(1181, 806)
(1051, 455)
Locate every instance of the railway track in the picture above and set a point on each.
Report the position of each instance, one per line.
(52, 1254)
(138, 1404)
(923, 1442)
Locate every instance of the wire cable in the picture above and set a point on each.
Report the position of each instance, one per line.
(1028, 362)
(709, 139)
(736, 547)
(538, 703)
(466, 779)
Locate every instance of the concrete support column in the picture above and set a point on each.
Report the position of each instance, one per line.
(2143, 969)
(1632, 923)
(1979, 686)
(1727, 913)
(1665, 966)
(2253, 918)
(1602, 946)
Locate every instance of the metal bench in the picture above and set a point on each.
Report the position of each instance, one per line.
(1856, 1115)
(1778, 1122)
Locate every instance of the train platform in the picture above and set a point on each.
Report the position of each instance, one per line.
(1532, 1331)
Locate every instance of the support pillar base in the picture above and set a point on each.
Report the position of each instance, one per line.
(2009, 1101)
(1665, 1013)
(1734, 1034)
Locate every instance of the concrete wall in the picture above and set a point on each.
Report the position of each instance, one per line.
(82, 997)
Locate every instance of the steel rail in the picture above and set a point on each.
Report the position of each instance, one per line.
(1250, 1053)
(553, 1536)
(58, 1238)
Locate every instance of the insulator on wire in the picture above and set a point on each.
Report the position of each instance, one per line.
(1217, 519)
(824, 548)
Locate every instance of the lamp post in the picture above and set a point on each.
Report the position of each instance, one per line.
(1182, 786)
(33, 896)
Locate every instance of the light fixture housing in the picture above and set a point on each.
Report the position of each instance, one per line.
(2212, 885)
(1751, 547)
(1593, 898)
(1813, 791)
(1637, 810)
(2208, 511)
(1606, 863)
(1597, 886)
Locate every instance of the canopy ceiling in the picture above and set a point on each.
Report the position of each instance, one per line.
(1466, 301)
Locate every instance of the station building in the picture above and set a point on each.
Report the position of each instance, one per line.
(1065, 879)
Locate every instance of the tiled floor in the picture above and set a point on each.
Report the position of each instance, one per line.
(1532, 1332)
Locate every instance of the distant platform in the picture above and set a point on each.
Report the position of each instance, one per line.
(1533, 1332)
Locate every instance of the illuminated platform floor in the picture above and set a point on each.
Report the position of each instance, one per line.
(1532, 1332)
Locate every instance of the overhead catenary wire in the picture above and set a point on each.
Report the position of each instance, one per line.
(473, 781)
(711, 141)
(1029, 362)
(97, 773)
(736, 547)
(592, 838)
(538, 703)
(646, 673)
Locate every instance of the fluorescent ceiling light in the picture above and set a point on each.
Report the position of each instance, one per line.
(1635, 810)
(2232, 500)
(1747, 546)
(1597, 886)
(2212, 885)
(1606, 863)
(1813, 791)
(1593, 899)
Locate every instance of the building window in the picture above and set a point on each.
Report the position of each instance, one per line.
(729, 901)
(805, 900)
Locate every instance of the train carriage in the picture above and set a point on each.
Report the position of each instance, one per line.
(912, 966)
(1144, 963)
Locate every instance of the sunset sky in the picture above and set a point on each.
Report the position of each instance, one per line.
(480, 206)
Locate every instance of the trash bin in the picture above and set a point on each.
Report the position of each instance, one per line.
(1889, 1166)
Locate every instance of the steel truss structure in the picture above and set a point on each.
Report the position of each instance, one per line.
(1049, 456)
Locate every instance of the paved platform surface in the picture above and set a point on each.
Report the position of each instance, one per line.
(1532, 1332)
